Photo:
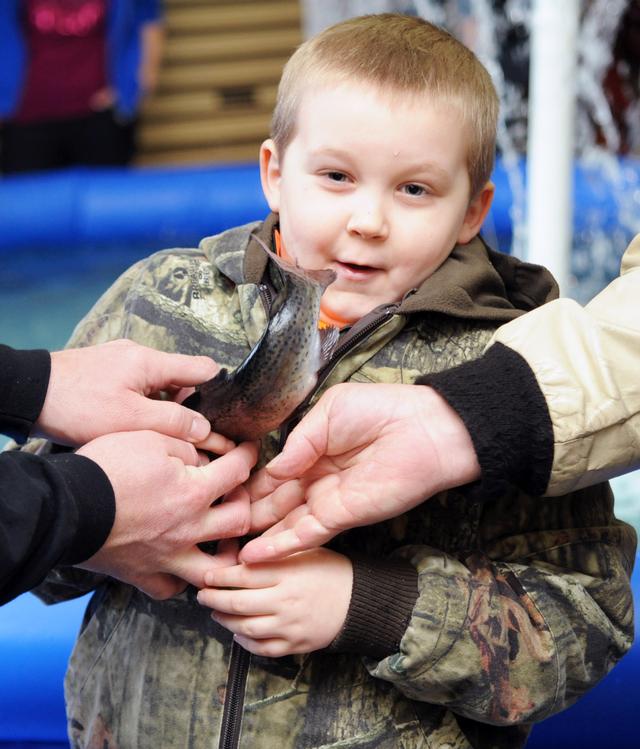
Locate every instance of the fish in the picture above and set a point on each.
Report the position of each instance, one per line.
(281, 369)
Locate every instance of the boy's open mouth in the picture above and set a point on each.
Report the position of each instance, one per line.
(354, 268)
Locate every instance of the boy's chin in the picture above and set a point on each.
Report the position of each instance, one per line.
(348, 307)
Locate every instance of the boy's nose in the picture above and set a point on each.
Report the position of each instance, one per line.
(368, 220)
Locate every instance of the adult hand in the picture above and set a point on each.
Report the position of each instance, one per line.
(364, 453)
(103, 389)
(163, 508)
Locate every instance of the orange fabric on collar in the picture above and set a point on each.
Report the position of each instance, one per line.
(327, 319)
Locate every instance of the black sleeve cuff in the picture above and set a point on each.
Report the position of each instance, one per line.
(95, 502)
(24, 378)
(382, 600)
(55, 510)
(504, 410)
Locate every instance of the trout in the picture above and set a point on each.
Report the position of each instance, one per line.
(281, 369)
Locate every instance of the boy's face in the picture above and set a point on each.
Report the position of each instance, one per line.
(374, 187)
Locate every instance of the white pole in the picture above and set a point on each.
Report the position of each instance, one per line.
(552, 96)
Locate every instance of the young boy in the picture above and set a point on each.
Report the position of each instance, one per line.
(456, 625)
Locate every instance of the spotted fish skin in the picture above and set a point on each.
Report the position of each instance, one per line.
(282, 368)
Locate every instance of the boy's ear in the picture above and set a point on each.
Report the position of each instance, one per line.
(270, 174)
(476, 213)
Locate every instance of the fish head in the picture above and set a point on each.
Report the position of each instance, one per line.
(321, 278)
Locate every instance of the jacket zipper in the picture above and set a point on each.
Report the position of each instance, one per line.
(234, 697)
(240, 658)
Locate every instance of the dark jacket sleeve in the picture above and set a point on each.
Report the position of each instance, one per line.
(24, 378)
(54, 509)
(499, 399)
(383, 596)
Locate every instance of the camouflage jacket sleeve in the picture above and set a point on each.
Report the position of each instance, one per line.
(521, 629)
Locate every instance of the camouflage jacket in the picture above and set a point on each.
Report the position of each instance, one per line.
(522, 603)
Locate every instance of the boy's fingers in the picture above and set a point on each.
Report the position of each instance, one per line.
(270, 647)
(251, 602)
(242, 576)
(257, 627)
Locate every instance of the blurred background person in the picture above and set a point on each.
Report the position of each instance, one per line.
(72, 78)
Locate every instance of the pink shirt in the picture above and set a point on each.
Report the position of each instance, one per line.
(66, 58)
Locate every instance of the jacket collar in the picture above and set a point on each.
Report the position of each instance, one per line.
(477, 283)
(474, 282)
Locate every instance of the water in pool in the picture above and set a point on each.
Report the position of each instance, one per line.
(43, 294)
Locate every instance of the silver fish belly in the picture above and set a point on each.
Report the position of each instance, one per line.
(282, 368)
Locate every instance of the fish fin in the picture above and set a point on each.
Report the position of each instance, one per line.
(323, 277)
(328, 340)
(193, 401)
(218, 380)
(196, 401)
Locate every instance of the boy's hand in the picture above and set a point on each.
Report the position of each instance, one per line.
(296, 605)
(103, 389)
(364, 453)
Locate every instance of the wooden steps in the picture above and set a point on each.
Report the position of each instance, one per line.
(218, 79)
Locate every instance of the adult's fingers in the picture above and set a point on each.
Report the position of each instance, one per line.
(228, 471)
(230, 518)
(304, 446)
(177, 448)
(307, 533)
(163, 370)
(160, 585)
(216, 443)
(172, 419)
(271, 509)
(193, 565)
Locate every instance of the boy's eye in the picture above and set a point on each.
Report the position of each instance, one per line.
(414, 190)
(336, 176)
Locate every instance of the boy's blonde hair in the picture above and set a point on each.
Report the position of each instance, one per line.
(401, 54)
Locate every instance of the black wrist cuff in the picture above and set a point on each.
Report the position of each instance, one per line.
(504, 410)
(24, 378)
(92, 493)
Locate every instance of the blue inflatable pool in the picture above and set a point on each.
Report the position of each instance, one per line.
(157, 208)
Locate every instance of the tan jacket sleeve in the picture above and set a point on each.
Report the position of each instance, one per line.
(587, 364)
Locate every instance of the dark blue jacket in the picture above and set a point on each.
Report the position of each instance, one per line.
(125, 20)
